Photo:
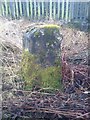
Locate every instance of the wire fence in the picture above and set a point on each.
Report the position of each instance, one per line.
(32, 9)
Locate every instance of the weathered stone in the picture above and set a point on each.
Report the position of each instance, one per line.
(44, 42)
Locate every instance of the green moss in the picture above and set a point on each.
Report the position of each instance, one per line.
(35, 75)
(36, 34)
(51, 26)
(50, 29)
(29, 69)
(51, 78)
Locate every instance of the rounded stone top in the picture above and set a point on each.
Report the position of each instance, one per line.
(44, 41)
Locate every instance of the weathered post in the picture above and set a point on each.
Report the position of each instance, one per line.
(44, 42)
(31, 14)
(59, 10)
(63, 3)
(54, 9)
(27, 9)
(35, 11)
(50, 8)
(39, 13)
(42, 8)
(67, 4)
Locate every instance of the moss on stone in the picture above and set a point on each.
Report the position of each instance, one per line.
(49, 29)
(36, 34)
(45, 44)
(51, 26)
(36, 76)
